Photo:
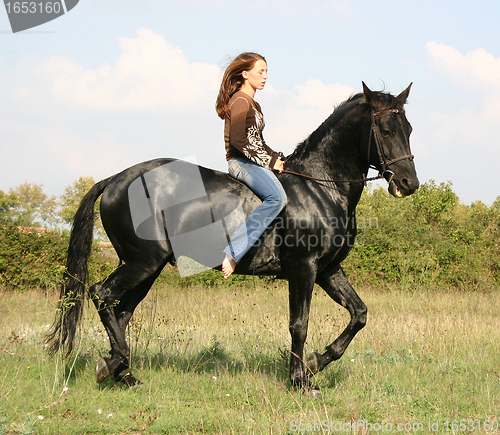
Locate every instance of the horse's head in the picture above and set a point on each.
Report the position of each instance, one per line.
(389, 144)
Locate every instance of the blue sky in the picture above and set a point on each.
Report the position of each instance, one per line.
(113, 83)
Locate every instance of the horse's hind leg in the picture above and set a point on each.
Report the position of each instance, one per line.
(123, 313)
(340, 290)
(115, 299)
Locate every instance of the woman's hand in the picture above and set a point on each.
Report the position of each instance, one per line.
(279, 166)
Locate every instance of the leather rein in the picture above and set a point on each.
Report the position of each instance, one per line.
(384, 163)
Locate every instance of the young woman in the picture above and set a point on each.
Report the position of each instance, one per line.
(250, 160)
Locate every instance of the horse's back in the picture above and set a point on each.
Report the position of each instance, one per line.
(155, 204)
(177, 180)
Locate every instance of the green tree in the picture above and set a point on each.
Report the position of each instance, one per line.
(70, 200)
(8, 202)
(430, 202)
(428, 240)
(32, 206)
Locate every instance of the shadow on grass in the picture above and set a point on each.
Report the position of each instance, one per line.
(75, 366)
(212, 359)
(215, 358)
(334, 375)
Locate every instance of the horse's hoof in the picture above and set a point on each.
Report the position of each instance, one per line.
(312, 363)
(102, 371)
(314, 392)
(128, 379)
(309, 389)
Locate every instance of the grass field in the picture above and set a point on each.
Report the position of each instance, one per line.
(215, 361)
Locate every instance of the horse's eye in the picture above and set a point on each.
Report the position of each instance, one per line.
(387, 133)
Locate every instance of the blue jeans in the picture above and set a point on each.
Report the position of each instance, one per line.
(267, 187)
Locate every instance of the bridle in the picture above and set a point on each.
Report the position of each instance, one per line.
(375, 132)
(384, 163)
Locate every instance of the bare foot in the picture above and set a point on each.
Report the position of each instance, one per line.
(228, 266)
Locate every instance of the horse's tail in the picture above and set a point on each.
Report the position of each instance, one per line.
(63, 330)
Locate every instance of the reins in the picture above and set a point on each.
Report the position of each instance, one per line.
(384, 163)
(309, 177)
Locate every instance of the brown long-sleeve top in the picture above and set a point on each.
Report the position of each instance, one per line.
(243, 132)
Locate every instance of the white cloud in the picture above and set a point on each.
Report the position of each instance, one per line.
(314, 93)
(293, 116)
(477, 68)
(66, 120)
(101, 155)
(477, 74)
(62, 119)
(462, 126)
(150, 75)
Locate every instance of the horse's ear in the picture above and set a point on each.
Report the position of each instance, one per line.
(403, 96)
(370, 97)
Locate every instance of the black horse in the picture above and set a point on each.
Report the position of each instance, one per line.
(142, 215)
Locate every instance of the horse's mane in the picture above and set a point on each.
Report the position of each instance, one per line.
(386, 102)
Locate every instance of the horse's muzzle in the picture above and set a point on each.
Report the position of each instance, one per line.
(401, 187)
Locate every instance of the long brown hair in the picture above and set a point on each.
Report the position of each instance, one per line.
(233, 80)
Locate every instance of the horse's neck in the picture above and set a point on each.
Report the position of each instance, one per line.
(336, 156)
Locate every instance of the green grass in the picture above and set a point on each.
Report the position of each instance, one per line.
(215, 360)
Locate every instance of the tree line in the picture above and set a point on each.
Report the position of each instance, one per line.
(29, 206)
(428, 240)
(34, 236)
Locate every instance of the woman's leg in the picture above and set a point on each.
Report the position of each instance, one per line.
(267, 187)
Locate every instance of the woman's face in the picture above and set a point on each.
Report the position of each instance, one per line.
(257, 76)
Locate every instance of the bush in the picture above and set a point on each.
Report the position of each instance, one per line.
(36, 257)
(429, 239)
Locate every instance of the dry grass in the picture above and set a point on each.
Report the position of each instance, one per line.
(214, 360)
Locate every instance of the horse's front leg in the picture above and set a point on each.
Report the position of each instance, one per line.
(338, 287)
(301, 282)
